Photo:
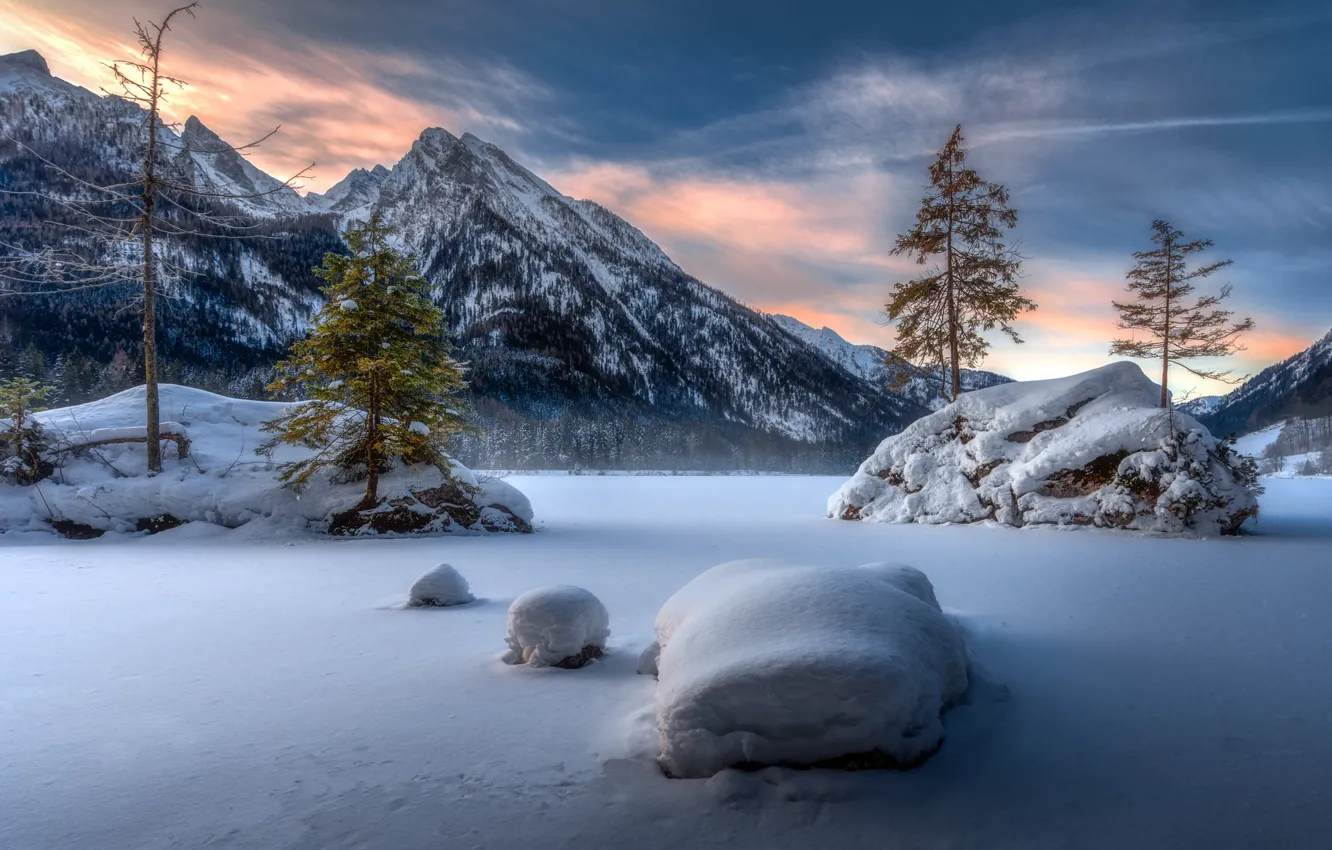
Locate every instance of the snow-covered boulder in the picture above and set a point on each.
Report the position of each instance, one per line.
(768, 663)
(442, 587)
(1089, 449)
(212, 474)
(556, 626)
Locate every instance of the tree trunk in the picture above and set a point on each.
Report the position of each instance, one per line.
(1165, 337)
(150, 289)
(953, 353)
(150, 351)
(371, 496)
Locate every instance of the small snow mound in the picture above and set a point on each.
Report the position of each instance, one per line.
(348, 305)
(556, 626)
(769, 663)
(1089, 449)
(441, 587)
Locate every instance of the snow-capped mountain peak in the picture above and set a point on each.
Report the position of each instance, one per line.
(26, 72)
(353, 196)
(29, 60)
(218, 167)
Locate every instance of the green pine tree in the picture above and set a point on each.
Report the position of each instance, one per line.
(376, 369)
(24, 454)
(971, 286)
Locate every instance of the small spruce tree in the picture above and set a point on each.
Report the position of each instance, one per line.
(376, 369)
(971, 286)
(1176, 331)
(24, 454)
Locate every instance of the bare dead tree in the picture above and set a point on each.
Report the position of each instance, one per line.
(114, 231)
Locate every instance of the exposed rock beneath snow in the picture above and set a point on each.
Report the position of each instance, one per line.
(557, 626)
(767, 663)
(442, 587)
(446, 505)
(1090, 449)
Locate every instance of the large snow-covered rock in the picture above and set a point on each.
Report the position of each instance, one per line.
(222, 481)
(1090, 449)
(441, 587)
(768, 663)
(556, 626)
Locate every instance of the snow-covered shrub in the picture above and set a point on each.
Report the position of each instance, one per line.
(556, 626)
(25, 456)
(441, 587)
(768, 663)
(1090, 449)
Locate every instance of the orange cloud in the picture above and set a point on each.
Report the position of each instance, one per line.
(1077, 321)
(842, 220)
(331, 105)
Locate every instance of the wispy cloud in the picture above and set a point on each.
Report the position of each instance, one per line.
(1073, 129)
(341, 108)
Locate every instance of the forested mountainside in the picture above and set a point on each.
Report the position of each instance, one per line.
(1299, 386)
(585, 342)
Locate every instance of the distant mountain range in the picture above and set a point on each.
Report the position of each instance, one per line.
(586, 343)
(870, 363)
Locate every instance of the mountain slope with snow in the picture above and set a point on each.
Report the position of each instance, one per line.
(869, 363)
(1299, 386)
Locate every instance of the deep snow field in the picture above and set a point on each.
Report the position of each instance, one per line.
(201, 688)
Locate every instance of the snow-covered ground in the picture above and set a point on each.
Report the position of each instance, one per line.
(200, 689)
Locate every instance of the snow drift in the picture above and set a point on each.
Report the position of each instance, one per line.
(441, 587)
(213, 475)
(556, 626)
(1090, 449)
(767, 663)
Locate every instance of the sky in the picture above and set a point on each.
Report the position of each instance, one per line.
(774, 149)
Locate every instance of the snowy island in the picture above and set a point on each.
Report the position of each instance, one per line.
(215, 476)
(1090, 449)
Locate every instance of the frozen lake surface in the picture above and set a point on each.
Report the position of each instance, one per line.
(203, 689)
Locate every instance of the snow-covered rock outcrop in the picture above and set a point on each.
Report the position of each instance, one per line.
(441, 587)
(556, 626)
(1090, 449)
(105, 487)
(768, 663)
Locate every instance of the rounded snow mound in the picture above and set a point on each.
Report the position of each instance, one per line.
(556, 626)
(1089, 449)
(441, 587)
(768, 663)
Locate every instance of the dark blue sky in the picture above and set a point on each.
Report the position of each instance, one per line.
(774, 148)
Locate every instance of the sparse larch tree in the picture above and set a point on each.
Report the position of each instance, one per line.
(376, 369)
(1176, 329)
(971, 286)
